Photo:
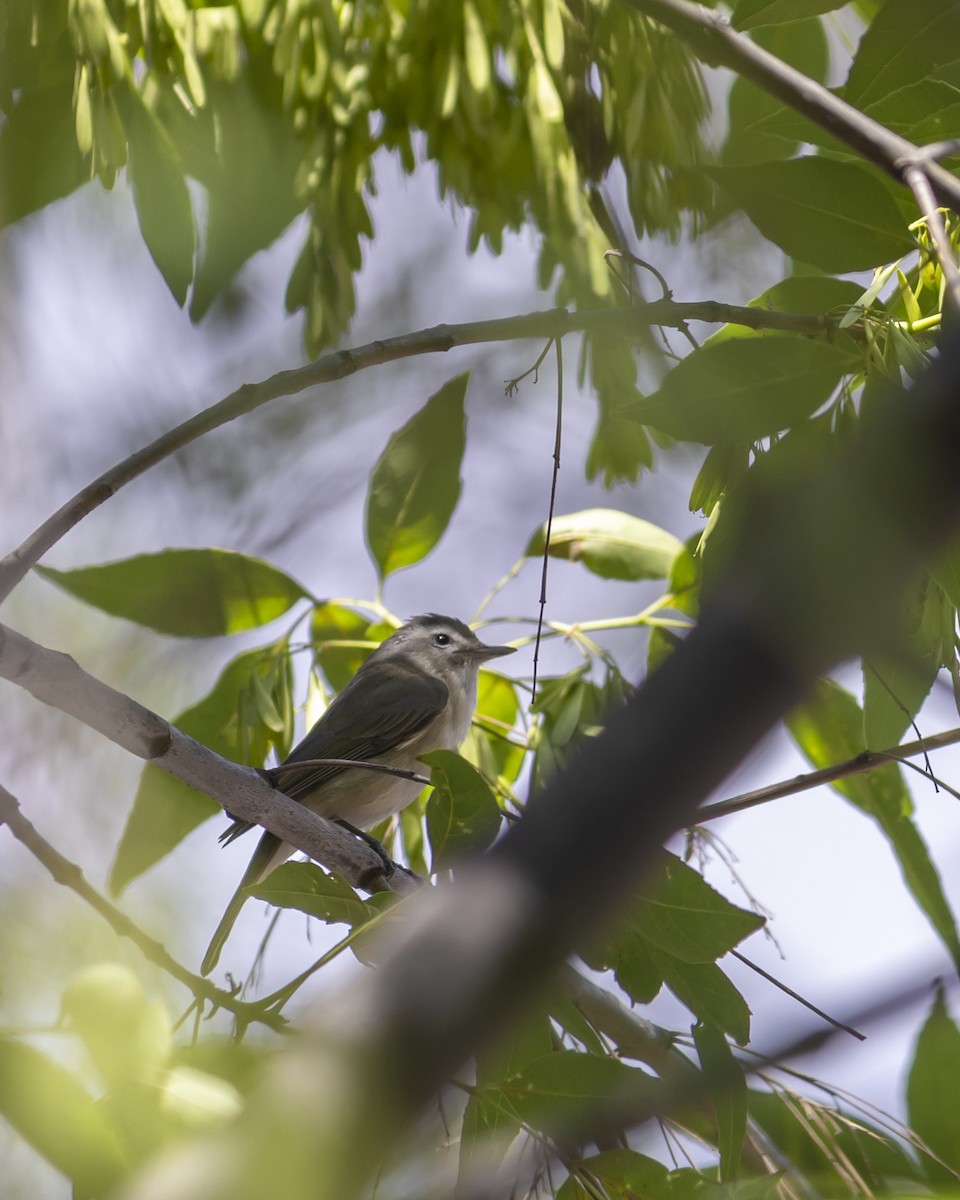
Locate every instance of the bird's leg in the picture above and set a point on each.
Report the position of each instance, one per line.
(389, 866)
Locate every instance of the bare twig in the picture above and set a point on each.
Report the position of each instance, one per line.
(558, 435)
(868, 760)
(914, 170)
(69, 875)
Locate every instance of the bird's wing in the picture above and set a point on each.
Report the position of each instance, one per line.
(363, 723)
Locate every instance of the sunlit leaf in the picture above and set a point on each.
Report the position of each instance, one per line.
(185, 593)
(50, 1109)
(307, 888)
(612, 544)
(415, 485)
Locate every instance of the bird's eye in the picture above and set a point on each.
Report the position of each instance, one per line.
(441, 639)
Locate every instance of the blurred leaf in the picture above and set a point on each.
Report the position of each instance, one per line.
(593, 1095)
(611, 544)
(127, 1035)
(165, 809)
(728, 1093)
(307, 888)
(415, 485)
(334, 623)
(51, 1110)
(836, 215)
(744, 389)
(160, 193)
(462, 814)
(185, 593)
(750, 14)
(683, 915)
(931, 1084)
(39, 158)
(829, 730)
(622, 1174)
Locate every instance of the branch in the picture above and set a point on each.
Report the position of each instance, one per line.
(342, 363)
(711, 36)
(867, 760)
(69, 875)
(57, 680)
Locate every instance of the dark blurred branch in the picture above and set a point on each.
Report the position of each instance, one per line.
(71, 876)
(814, 571)
(867, 760)
(711, 36)
(57, 680)
(342, 363)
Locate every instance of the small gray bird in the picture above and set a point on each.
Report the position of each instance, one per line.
(416, 692)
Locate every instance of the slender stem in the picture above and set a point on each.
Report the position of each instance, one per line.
(868, 760)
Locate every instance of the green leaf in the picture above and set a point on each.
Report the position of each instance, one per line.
(931, 1094)
(751, 14)
(728, 1094)
(330, 623)
(462, 814)
(165, 809)
(829, 730)
(836, 215)
(415, 485)
(39, 158)
(50, 1109)
(902, 44)
(707, 992)
(628, 956)
(185, 593)
(611, 544)
(568, 1090)
(802, 44)
(744, 389)
(622, 1175)
(684, 916)
(946, 571)
(809, 294)
(160, 191)
(305, 887)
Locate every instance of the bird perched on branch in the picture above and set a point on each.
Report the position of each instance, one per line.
(415, 693)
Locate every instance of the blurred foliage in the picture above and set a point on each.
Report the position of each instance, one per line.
(527, 111)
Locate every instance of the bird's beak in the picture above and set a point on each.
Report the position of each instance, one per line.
(482, 653)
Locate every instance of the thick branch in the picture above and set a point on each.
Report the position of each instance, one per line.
(57, 680)
(712, 37)
(69, 875)
(341, 363)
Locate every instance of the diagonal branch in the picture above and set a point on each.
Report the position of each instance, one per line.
(342, 363)
(867, 760)
(712, 37)
(57, 680)
(71, 876)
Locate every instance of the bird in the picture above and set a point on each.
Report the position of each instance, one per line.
(415, 693)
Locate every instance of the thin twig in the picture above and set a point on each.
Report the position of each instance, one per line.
(868, 760)
(558, 436)
(747, 962)
(69, 875)
(914, 172)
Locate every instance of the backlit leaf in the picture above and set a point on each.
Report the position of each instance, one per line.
(614, 545)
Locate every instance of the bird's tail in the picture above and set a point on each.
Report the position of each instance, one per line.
(265, 858)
